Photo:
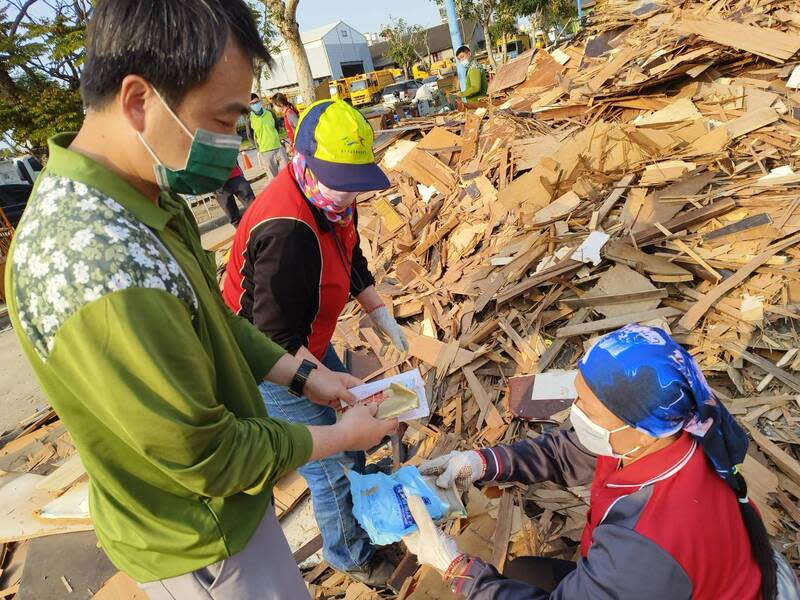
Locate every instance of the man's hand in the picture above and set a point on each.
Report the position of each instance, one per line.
(361, 430)
(347, 380)
(461, 468)
(330, 388)
(431, 545)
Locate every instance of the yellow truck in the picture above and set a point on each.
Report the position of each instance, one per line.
(340, 88)
(367, 88)
(418, 71)
(514, 45)
(443, 67)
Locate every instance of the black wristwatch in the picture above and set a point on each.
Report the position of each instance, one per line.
(298, 383)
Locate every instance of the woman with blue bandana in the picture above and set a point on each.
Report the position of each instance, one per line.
(669, 514)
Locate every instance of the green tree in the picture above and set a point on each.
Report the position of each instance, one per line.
(547, 14)
(400, 37)
(503, 27)
(40, 62)
(270, 35)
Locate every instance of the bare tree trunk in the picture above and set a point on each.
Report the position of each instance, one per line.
(284, 16)
(489, 44)
(297, 51)
(504, 55)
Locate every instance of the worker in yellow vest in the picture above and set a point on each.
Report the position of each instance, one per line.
(268, 142)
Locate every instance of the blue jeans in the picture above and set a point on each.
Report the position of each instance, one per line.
(345, 545)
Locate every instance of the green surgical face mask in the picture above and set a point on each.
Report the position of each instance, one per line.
(208, 165)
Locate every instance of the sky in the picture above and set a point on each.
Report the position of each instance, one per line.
(366, 16)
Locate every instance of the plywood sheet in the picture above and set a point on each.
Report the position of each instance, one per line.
(512, 73)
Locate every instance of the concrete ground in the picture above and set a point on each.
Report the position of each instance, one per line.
(20, 395)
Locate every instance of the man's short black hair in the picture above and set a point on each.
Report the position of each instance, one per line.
(463, 49)
(254, 96)
(172, 44)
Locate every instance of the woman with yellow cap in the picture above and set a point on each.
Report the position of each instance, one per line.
(295, 263)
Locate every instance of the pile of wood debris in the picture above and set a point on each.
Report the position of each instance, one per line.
(648, 173)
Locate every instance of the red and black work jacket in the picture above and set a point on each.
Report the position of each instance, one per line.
(291, 271)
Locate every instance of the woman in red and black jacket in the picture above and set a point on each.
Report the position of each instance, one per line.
(669, 516)
(295, 263)
(291, 117)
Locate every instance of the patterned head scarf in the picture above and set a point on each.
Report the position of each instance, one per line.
(650, 382)
(310, 186)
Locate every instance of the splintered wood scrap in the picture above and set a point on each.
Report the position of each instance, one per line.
(503, 531)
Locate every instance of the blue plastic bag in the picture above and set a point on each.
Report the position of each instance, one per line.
(380, 505)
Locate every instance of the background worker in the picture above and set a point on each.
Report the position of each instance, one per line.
(295, 263)
(117, 308)
(669, 516)
(476, 82)
(237, 186)
(268, 142)
(290, 114)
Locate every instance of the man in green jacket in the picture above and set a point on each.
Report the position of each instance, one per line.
(477, 82)
(117, 308)
(262, 122)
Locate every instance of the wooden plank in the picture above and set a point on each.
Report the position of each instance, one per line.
(20, 500)
(391, 219)
(614, 322)
(289, 490)
(615, 298)
(432, 239)
(784, 462)
(657, 268)
(652, 234)
(739, 350)
(64, 476)
(659, 207)
(739, 226)
(488, 409)
(699, 309)
(751, 121)
(428, 350)
(537, 279)
(769, 43)
(616, 194)
(505, 517)
(308, 549)
(469, 141)
(512, 73)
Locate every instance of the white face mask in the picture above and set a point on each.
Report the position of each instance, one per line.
(464, 63)
(593, 437)
(340, 200)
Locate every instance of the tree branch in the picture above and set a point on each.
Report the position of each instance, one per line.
(21, 15)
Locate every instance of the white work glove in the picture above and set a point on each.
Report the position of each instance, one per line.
(386, 323)
(463, 468)
(431, 545)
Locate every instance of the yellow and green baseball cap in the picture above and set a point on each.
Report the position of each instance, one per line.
(336, 141)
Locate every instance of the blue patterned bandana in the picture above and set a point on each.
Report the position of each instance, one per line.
(646, 379)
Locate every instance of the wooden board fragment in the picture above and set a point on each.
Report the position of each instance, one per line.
(615, 322)
(512, 73)
(19, 500)
(769, 43)
(696, 312)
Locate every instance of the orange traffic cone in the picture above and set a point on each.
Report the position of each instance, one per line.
(246, 161)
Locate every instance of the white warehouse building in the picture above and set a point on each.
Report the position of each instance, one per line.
(334, 51)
